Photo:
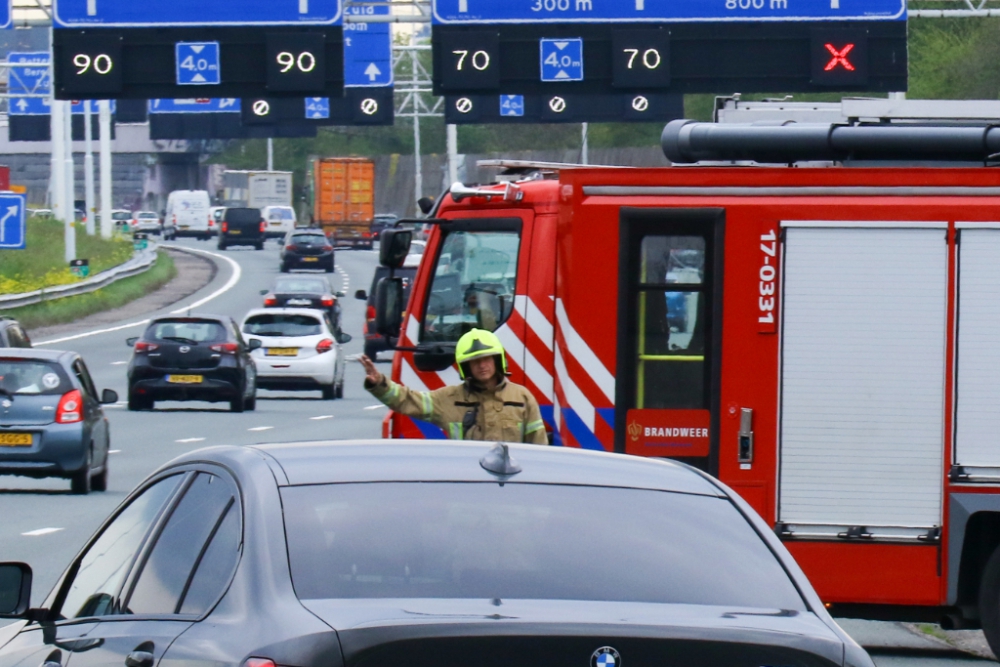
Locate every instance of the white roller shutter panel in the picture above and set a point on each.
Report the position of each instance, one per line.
(863, 362)
(977, 419)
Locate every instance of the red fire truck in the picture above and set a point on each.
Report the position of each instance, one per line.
(826, 341)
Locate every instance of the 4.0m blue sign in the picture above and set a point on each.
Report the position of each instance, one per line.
(660, 11)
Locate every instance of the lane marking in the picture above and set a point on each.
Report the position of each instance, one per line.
(118, 363)
(374, 407)
(187, 440)
(233, 279)
(42, 531)
(114, 451)
(321, 417)
(260, 428)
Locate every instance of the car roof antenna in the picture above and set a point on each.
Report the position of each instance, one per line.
(499, 462)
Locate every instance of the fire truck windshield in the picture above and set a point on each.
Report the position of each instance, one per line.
(473, 286)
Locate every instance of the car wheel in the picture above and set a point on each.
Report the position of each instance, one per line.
(989, 601)
(135, 403)
(238, 404)
(283, 268)
(250, 404)
(329, 393)
(79, 483)
(340, 390)
(221, 246)
(329, 269)
(100, 482)
(259, 246)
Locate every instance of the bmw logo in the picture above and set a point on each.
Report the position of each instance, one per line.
(605, 657)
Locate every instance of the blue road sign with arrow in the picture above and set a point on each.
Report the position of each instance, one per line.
(318, 108)
(561, 59)
(512, 106)
(29, 74)
(160, 13)
(658, 11)
(12, 221)
(198, 63)
(367, 49)
(196, 105)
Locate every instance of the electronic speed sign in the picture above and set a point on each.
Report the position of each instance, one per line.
(640, 58)
(469, 60)
(88, 66)
(296, 63)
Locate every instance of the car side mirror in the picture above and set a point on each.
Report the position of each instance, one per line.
(131, 341)
(425, 204)
(344, 338)
(254, 344)
(109, 396)
(433, 359)
(340, 295)
(361, 294)
(389, 307)
(394, 246)
(264, 292)
(15, 590)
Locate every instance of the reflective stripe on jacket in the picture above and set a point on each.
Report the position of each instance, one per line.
(509, 413)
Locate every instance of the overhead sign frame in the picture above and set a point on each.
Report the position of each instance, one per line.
(194, 13)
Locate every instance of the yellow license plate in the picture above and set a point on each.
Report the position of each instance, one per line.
(282, 352)
(15, 439)
(276, 223)
(310, 259)
(185, 379)
(234, 231)
(185, 226)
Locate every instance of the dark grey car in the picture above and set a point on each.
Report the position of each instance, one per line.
(51, 421)
(388, 553)
(12, 334)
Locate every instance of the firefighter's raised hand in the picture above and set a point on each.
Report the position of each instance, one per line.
(372, 374)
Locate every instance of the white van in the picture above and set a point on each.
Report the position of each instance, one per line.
(280, 220)
(188, 212)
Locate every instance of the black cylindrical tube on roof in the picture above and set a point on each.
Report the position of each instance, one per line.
(686, 141)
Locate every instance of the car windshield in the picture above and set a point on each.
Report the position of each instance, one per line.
(473, 284)
(282, 325)
(121, 215)
(300, 286)
(147, 215)
(31, 376)
(527, 541)
(186, 331)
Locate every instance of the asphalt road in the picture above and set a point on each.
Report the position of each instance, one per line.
(42, 524)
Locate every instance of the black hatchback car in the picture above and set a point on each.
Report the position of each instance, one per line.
(306, 249)
(380, 554)
(192, 358)
(304, 292)
(242, 226)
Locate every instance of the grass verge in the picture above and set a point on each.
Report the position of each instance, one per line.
(72, 308)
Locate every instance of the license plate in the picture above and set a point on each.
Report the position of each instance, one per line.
(234, 231)
(299, 302)
(282, 352)
(185, 226)
(15, 440)
(276, 223)
(310, 259)
(185, 379)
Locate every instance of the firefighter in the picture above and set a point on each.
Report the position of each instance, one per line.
(486, 406)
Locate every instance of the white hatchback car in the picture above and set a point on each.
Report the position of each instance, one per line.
(300, 350)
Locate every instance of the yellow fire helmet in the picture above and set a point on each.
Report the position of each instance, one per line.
(476, 344)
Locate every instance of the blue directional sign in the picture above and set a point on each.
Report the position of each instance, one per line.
(195, 105)
(317, 108)
(367, 49)
(12, 221)
(29, 74)
(658, 11)
(512, 106)
(29, 106)
(561, 59)
(6, 14)
(198, 63)
(159, 13)
(79, 108)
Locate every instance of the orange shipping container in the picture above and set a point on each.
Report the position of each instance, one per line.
(344, 202)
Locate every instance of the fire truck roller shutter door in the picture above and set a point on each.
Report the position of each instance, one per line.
(863, 363)
(977, 421)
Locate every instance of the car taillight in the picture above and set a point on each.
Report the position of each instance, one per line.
(258, 662)
(327, 301)
(292, 248)
(211, 223)
(225, 227)
(270, 301)
(263, 226)
(370, 313)
(327, 248)
(324, 345)
(225, 348)
(367, 235)
(70, 408)
(142, 347)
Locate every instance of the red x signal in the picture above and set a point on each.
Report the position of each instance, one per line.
(839, 58)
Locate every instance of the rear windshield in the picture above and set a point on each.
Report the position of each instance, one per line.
(309, 239)
(282, 325)
(121, 215)
(527, 541)
(242, 215)
(281, 214)
(187, 331)
(29, 376)
(298, 286)
(148, 215)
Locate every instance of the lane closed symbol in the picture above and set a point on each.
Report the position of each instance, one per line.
(557, 104)
(640, 103)
(261, 108)
(463, 105)
(369, 107)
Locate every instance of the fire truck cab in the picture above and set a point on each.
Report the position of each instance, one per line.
(826, 340)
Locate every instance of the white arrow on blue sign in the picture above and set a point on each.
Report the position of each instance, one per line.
(12, 231)
(159, 13)
(561, 59)
(195, 105)
(198, 63)
(29, 74)
(318, 108)
(367, 49)
(512, 106)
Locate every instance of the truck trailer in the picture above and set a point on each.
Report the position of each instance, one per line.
(256, 189)
(344, 200)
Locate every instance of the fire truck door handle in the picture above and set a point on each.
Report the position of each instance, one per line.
(745, 448)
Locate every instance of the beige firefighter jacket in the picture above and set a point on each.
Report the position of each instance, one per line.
(507, 414)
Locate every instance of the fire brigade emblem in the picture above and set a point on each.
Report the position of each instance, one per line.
(605, 657)
(635, 430)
